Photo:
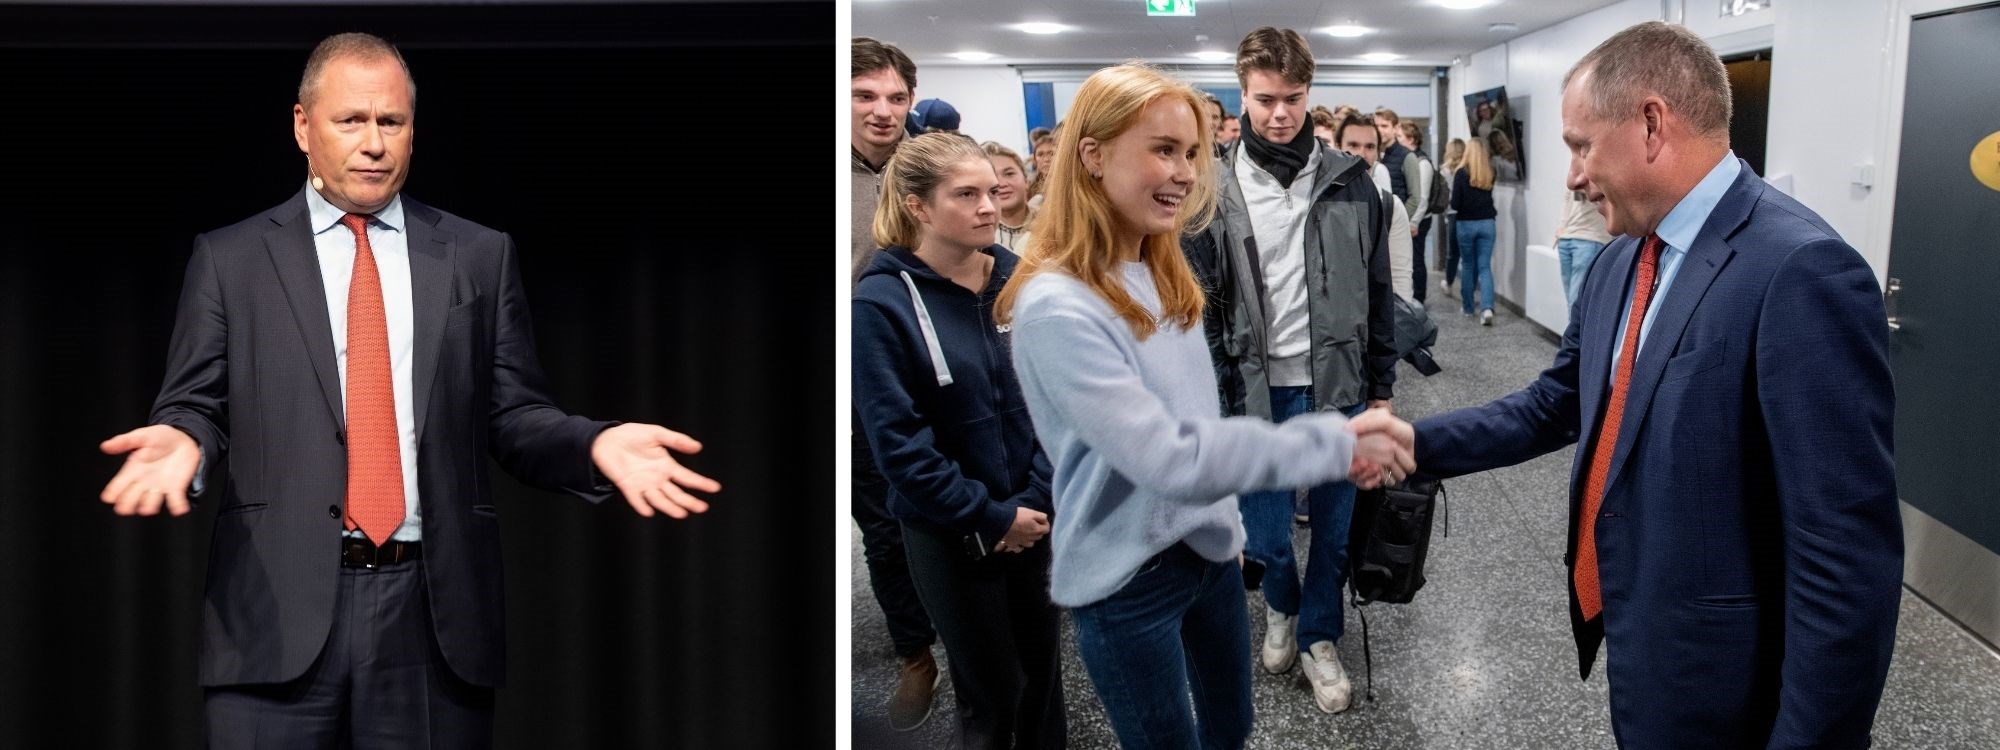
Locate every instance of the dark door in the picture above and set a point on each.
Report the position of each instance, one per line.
(1944, 270)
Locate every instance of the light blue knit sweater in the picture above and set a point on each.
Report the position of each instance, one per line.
(1142, 457)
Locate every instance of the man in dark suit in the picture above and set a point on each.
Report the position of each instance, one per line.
(1736, 538)
(351, 356)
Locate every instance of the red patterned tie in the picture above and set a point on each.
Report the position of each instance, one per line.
(374, 455)
(1589, 598)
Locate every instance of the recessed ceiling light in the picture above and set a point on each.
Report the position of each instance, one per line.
(1041, 28)
(1213, 55)
(1465, 4)
(973, 56)
(1503, 28)
(1381, 56)
(1347, 30)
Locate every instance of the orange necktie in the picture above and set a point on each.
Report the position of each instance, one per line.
(1588, 596)
(374, 456)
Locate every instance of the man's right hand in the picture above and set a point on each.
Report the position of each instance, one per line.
(161, 465)
(1029, 527)
(1383, 449)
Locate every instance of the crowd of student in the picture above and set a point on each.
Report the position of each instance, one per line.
(1071, 286)
(1097, 380)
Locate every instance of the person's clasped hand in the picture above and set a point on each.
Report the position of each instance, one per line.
(1029, 527)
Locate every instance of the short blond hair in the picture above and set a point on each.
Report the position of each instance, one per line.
(1663, 59)
(356, 45)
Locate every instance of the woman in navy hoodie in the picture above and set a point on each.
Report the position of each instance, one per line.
(934, 386)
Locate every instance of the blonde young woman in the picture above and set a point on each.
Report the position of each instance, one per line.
(935, 389)
(1472, 198)
(1011, 198)
(1454, 159)
(1108, 344)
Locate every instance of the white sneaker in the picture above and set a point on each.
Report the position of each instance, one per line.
(1281, 635)
(1330, 687)
(1486, 318)
(1445, 285)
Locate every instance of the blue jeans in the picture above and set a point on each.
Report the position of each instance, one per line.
(1475, 252)
(1576, 256)
(1268, 523)
(1177, 626)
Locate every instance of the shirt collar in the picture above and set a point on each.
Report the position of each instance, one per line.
(1683, 223)
(325, 216)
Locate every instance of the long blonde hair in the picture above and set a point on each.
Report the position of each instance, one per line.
(918, 166)
(1454, 155)
(1076, 231)
(1478, 164)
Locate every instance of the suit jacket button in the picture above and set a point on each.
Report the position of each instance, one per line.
(333, 511)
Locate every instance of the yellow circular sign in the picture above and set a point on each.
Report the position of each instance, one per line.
(1986, 161)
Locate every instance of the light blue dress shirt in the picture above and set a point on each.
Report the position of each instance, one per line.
(387, 241)
(1678, 231)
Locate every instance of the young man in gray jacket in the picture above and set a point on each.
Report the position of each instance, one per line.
(1299, 319)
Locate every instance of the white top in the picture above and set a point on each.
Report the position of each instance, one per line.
(1581, 220)
(1278, 222)
(1401, 264)
(391, 247)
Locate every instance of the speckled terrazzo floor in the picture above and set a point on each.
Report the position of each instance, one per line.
(1483, 657)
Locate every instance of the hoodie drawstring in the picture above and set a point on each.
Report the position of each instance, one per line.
(930, 331)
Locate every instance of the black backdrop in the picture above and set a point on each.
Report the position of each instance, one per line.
(672, 229)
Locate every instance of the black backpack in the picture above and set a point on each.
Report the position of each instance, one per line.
(1387, 542)
(1440, 199)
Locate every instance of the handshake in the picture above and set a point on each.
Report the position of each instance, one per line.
(1384, 449)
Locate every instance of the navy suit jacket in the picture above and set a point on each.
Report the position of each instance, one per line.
(251, 376)
(1749, 543)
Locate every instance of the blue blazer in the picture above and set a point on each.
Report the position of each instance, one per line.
(1749, 545)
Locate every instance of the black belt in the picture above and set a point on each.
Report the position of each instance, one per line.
(359, 552)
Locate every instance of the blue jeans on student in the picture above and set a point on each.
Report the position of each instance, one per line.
(1268, 523)
(1475, 252)
(1576, 256)
(1177, 626)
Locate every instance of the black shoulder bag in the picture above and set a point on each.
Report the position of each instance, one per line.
(1387, 542)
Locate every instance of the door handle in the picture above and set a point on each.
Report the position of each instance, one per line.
(1889, 303)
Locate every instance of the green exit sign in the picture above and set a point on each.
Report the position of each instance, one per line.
(1170, 7)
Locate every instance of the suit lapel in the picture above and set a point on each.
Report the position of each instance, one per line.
(290, 245)
(1705, 260)
(431, 265)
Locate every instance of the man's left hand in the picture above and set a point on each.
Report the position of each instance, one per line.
(636, 458)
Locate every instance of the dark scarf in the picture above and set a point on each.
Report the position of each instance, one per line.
(1282, 161)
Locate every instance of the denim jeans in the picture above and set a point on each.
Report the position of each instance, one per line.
(1177, 627)
(1576, 256)
(1269, 526)
(1475, 249)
